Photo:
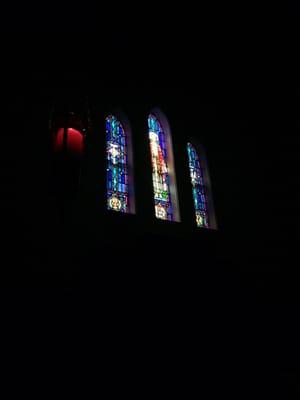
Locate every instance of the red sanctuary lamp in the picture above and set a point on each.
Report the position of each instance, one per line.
(68, 146)
(68, 138)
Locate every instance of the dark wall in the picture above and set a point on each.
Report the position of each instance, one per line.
(211, 82)
(232, 110)
(235, 291)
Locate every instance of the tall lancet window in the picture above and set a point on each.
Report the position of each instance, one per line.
(119, 167)
(204, 214)
(163, 173)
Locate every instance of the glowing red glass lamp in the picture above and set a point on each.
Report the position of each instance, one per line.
(69, 141)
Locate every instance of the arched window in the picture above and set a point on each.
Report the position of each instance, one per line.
(163, 171)
(201, 190)
(119, 167)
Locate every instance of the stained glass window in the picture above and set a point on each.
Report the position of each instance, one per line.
(117, 166)
(160, 170)
(198, 188)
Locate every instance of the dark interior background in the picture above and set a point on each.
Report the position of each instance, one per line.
(223, 305)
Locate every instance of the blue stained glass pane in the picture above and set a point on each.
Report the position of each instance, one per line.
(199, 192)
(117, 168)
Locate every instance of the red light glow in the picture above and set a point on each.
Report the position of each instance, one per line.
(74, 141)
